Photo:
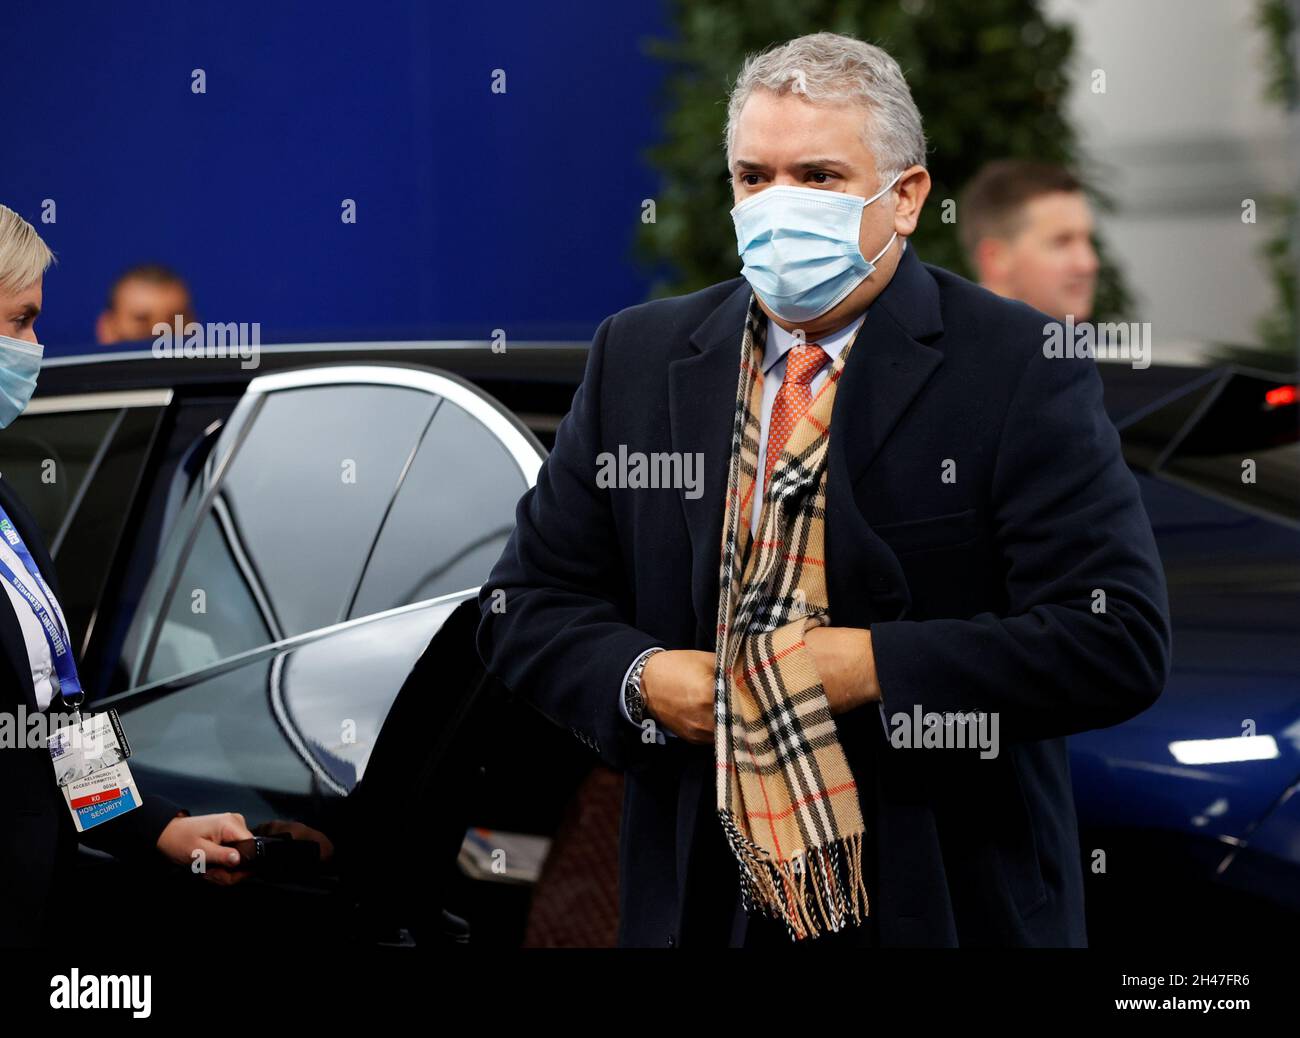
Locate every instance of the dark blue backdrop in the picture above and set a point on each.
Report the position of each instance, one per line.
(475, 210)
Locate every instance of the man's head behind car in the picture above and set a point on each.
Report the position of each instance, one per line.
(140, 298)
(1027, 230)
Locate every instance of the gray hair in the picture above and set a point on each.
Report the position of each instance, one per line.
(23, 256)
(829, 68)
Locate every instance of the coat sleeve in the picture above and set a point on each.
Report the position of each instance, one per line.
(555, 610)
(134, 835)
(1070, 528)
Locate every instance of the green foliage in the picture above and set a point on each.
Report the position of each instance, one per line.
(990, 79)
(1276, 19)
(1279, 329)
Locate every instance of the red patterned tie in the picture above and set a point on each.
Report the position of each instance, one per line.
(792, 400)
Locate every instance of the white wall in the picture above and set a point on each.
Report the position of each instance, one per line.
(1181, 136)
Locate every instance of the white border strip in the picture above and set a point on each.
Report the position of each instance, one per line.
(99, 401)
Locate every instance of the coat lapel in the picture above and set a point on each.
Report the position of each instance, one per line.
(701, 409)
(888, 366)
(886, 371)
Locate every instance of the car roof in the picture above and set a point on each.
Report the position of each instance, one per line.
(476, 361)
(536, 377)
(535, 380)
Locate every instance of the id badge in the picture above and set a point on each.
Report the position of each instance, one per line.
(91, 770)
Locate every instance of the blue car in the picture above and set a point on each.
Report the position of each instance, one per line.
(1189, 814)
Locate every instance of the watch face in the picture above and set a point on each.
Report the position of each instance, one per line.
(632, 698)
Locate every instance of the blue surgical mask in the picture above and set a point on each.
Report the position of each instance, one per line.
(20, 363)
(800, 248)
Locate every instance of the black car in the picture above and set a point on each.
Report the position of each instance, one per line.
(275, 572)
(254, 562)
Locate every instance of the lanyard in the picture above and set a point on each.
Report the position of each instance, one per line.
(55, 633)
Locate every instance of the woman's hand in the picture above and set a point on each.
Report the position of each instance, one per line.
(199, 838)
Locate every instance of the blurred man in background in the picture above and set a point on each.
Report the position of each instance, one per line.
(140, 298)
(1027, 230)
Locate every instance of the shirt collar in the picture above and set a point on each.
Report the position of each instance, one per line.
(779, 342)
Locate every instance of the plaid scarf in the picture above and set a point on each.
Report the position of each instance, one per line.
(786, 798)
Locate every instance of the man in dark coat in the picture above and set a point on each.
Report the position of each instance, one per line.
(987, 552)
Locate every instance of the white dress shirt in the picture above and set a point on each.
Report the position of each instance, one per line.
(39, 656)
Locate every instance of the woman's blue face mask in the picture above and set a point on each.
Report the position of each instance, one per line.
(800, 247)
(20, 363)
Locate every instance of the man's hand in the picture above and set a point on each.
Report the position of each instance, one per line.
(678, 686)
(678, 690)
(206, 833)
(846, 664)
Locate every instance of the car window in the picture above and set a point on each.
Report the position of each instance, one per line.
(289, 529)
(47, 456)
(182, 473)
(450, 519)
(217, 618)
(77, 470)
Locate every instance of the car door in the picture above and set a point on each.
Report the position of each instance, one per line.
(76, 462)
(342, 515)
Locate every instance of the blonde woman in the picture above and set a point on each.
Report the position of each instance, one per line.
(41, 819)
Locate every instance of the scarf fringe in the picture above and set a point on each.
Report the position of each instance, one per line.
(823, 892)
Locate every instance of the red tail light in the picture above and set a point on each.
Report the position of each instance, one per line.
(1280, 396)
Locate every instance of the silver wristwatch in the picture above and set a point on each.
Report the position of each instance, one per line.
(632, 697)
